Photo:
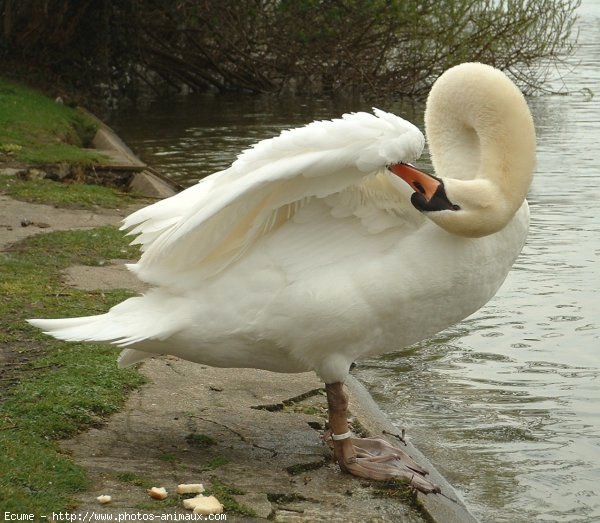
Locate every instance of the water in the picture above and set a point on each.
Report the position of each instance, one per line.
(505, 404)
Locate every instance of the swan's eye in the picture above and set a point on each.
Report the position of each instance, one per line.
(455, 207)
(419, 187)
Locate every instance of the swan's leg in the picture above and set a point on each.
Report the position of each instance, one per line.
(371, 458)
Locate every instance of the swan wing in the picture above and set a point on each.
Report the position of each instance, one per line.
(212, 224)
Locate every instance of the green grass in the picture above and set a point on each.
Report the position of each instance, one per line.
(173, 500)
(36, 129)
(200, 440)
(216, 462)
(169, 457)
(73, 196)
(54, 389)
(224, 493)
(300, 468)
(396, 489)
(135, 479)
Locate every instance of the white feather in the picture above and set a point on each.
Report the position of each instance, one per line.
(209, 226)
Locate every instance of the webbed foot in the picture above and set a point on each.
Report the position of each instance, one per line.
(371, 458)
(375, 458)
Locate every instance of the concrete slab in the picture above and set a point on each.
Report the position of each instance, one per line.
(149, 185)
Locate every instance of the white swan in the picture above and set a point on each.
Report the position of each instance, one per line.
(311, 251)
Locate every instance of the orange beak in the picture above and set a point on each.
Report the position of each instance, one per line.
(421, 182)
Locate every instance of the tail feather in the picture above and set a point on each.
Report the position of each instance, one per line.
(150, 317)
(87, 328)
(93, 328)
(145, 321)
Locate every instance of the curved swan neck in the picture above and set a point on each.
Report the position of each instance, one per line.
(482, 143)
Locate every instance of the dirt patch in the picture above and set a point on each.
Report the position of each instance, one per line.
(115, 275)
(19, 220)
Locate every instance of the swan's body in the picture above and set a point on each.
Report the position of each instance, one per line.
(289, 307)
(308, 253)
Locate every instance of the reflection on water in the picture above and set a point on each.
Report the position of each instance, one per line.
(506, 403)
(192, 137)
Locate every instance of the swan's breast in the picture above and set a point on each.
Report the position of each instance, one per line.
(389, 298)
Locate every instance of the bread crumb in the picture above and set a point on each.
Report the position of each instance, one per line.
(190, 488)
(208, 505)
(158, 493)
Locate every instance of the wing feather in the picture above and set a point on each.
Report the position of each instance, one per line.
(212, 224)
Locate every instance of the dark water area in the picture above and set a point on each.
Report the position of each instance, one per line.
(507, 403)
(191, 137)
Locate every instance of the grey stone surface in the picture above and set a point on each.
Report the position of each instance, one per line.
(149, 185)
(105, 140)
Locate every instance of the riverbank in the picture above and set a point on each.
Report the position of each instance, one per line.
(43, 139)
(253, 437)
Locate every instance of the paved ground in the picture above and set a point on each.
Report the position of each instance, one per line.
(21, 219)
(255, 432)
(197, 424)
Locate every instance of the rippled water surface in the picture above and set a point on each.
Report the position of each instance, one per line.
(507, 403)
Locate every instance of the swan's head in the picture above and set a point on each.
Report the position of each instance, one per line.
(482, 144)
